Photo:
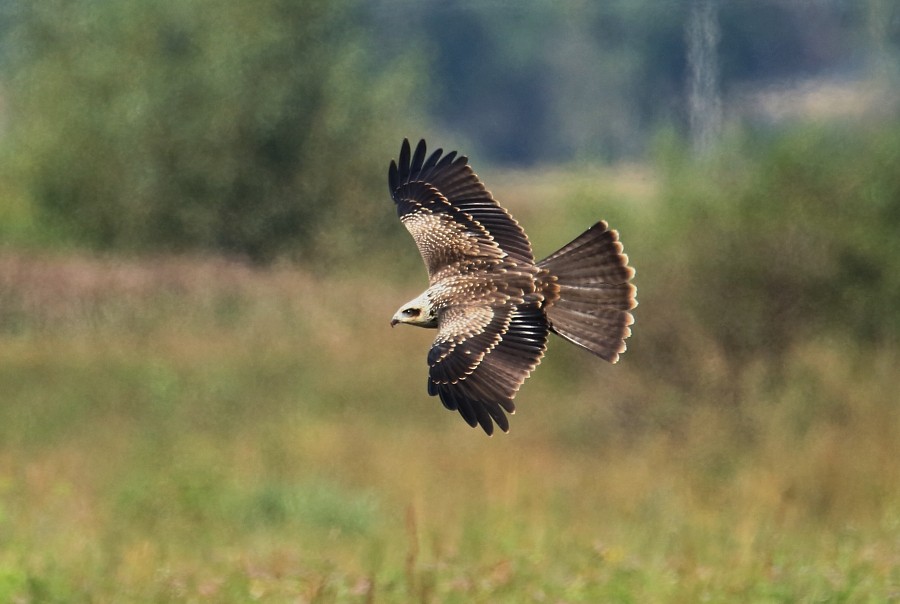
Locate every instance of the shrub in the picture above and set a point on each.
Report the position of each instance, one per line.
(199, 124)
(778, 239)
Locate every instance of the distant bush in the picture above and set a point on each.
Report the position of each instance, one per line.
(192, 124)
(779, 239)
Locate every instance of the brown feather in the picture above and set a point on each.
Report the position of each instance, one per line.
(588, 294)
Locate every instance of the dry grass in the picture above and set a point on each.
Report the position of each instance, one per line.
(199, 430)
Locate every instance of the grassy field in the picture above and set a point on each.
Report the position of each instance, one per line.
(193, 429)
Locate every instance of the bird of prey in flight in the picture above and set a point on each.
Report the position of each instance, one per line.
(491, 303)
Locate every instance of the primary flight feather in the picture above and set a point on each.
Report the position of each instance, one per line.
(491, 303)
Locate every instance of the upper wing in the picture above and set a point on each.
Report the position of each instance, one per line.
(481, 356)
(449, 213)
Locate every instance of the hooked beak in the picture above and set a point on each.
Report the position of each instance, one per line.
(394, 322)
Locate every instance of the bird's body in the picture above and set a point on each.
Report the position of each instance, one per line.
(492, 305)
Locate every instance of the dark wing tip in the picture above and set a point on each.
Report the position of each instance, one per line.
(410, 163)
(405, 151)
(474, 412)
(393, 177)
(418, 158)
(403, 162)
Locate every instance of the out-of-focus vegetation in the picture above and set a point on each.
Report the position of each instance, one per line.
(779, 240)
(183, 429)
(595, 80)
(256, 129)
(196, 124)
(195, 427)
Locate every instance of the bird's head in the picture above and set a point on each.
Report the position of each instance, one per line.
(418, 311)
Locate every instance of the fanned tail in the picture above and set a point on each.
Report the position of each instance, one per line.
(588, 294)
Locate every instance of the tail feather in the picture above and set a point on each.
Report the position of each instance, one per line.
(587, 299)
(588, 294)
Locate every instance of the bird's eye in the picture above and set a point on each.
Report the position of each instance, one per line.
(410, 312)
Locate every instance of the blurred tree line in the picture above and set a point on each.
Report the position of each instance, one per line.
(258, 129)
(200, 124)
(264, 129)
(537, 81)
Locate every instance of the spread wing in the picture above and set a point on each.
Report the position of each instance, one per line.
(491, 329)
(451, 216)
(481, 356)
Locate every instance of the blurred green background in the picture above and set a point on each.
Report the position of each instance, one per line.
(201, 398)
